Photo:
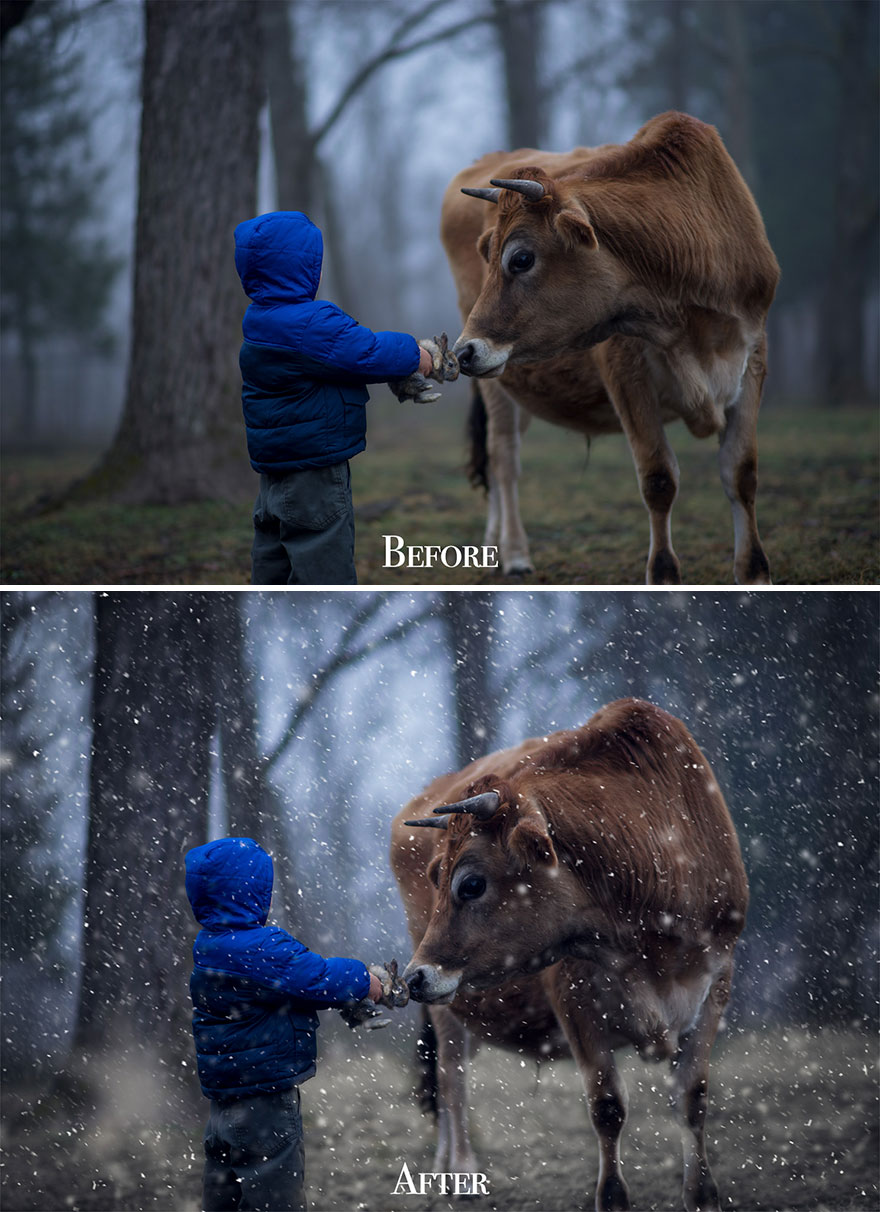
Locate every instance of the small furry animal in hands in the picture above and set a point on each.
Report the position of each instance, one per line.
(445, 370)
(395, 993)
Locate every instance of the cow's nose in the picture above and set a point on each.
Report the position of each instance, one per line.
(465, 356)
(416, 984)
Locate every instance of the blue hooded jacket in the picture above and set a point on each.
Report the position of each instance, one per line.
(254, 988)
(304, 363)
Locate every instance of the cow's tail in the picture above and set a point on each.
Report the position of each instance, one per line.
(478, 458)
(426, 1066)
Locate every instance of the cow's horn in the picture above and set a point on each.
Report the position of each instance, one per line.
(488, 195)
(431, 823)
(483, 807)
(533, 190)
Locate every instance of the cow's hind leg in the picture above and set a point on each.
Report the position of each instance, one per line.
(690, 1072)
(505, 526)
(454, 1153)
(632, 393)
(739, 472)
(606, 1093)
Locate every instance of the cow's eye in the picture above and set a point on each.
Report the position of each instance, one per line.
(471, 887)
(521, 261)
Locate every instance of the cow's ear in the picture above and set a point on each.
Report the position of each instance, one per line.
(484, 243)
(530, 843)
(433, 870)
(575, 228)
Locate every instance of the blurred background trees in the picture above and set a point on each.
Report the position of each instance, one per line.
(58, 270)
(367, 110)
(140, 724)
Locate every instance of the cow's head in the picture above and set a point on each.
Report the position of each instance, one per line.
(552, 285)
(504, 903)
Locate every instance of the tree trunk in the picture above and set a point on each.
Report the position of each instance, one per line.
(253, 808)
(738, 92)
(469, 619)
(851, 268)
(181, 436)
(519, 27)
(27, 357)
(293, 149)
(335, 258)
(153, 718)
(676, 60)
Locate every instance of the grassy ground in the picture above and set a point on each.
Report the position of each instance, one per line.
(817, 509)
(792, 1127)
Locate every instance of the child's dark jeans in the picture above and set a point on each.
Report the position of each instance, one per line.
(304, 528)
(254, 1157)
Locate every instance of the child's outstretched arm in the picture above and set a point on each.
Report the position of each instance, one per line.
(374, 357)
(287, 965)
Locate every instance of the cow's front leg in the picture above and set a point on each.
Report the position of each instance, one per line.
(608, 1103)
(632, 393)
(502, 438)
(454, 1153)
(738, 459)
(606, 1093)
(690, 1073)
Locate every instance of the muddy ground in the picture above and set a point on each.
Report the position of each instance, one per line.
(793, 1125)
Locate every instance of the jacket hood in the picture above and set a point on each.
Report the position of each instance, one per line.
(278, 257)
(229, 883)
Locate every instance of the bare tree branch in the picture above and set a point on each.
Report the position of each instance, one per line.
(393, 50)
(346, 656)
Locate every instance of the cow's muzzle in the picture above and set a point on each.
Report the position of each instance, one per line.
(479, 359)
(429, 984)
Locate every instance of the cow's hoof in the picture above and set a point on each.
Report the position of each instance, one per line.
(753, 569)
(612, 1195)
(704, 1198)
(521, 566)
(664, 569)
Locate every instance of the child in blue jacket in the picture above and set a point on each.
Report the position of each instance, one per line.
(304, 369)
(255, 992)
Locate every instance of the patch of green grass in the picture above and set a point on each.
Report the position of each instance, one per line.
(817, 509)
(817, 503)
(99, 542)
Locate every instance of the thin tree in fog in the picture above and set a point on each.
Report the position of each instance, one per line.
(36, 890)
(839, 828)
(855, 204)
(253, 806)
(519, 31)
(470, 620)
(57, 274)
(181, 436)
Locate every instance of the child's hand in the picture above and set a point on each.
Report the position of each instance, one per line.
(426, 362)
(375, 992)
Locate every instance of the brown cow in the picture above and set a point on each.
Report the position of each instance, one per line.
(591, 893)
(618, 287)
